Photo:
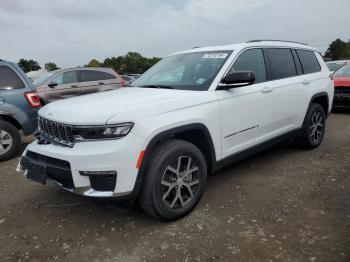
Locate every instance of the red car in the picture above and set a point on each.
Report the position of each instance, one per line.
(342, 87)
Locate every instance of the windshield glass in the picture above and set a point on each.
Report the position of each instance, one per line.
(190, 71)
(344, 71)
(335, 66)
(42, 79)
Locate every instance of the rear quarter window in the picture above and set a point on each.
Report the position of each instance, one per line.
(281, 63)
(9, 79)
(308, 61)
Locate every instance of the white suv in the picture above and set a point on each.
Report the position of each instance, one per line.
(189, 115)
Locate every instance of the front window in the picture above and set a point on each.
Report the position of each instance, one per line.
(42, 79)
(344, 71)
(189, 71)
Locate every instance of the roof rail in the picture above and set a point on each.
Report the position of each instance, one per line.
(272, 40)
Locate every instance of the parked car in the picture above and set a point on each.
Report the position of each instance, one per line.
(189, 115)
(65, 83)
(19, 104)
(335, 65)
(342, 87)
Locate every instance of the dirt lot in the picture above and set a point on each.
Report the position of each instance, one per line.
(285, 204)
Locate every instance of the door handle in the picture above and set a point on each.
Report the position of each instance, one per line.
(305, 82)
(266, 89)
(101, 83)
(74, 86)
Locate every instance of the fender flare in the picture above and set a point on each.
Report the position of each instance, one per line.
(164, 135)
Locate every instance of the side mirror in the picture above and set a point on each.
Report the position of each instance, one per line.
(52, 85)
(237, 79)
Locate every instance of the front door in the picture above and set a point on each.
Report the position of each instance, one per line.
(247, 112)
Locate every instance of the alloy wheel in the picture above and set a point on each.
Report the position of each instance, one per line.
(180, 182)
(316, 127)
(6, 142)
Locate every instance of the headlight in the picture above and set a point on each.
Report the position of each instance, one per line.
(102, 132)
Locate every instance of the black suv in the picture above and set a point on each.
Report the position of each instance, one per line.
(19, 105)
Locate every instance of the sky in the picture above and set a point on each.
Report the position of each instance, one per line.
(72, 32)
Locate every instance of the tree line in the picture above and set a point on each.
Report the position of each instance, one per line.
(135, 63)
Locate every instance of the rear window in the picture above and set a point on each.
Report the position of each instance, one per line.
(281, 63)
(308, 61)
(9, 79)
(91, 75)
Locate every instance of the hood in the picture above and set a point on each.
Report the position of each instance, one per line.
(342, 81)
(125, 104)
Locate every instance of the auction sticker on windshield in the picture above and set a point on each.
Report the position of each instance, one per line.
(215, 55)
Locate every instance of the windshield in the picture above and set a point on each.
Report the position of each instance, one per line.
(335, 66)
(344, 71)
(42, 79)
(190, 71)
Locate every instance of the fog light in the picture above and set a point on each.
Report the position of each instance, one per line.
(98, 173)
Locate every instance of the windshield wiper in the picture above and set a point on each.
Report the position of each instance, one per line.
(157, 86)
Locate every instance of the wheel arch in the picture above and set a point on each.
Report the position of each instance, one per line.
(11, 120)
(196, 133)
(322, 99)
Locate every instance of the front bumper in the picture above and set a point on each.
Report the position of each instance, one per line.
(341, 98)
(65, 166)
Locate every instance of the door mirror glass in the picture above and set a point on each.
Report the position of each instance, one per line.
(237, 79)
(52, 85)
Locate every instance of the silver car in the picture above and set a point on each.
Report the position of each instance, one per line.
(65, 83)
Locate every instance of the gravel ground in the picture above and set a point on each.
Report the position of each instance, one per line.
(285, 204)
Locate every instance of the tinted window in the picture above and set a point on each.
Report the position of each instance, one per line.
(106, 76)
(251, 60)
(281, 63)
(66, 78)
(308, 61)
(91, 75)
(9, 79)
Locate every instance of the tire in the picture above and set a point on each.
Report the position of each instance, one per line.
(168, 193)
(10, 141)
(314, 127)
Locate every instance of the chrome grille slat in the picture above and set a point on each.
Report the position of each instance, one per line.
(56, 132)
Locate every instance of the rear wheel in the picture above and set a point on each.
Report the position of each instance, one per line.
(10, 141)
(314, 127)
(175, 179)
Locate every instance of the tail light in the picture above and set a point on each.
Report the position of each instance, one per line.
(33, 99)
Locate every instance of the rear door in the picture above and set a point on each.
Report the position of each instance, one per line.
(92, 81)
(286, 81)
(67, 85)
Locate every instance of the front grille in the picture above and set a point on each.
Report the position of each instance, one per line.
(57, 169)
(56, 132)
(342, 90)
(103, 183)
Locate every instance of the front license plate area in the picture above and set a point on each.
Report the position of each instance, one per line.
(37, 173)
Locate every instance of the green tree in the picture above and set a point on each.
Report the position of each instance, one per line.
(336, 49)
(346, 52)
(131, 63)
(50, 66)
(28, 65)
(94, 63)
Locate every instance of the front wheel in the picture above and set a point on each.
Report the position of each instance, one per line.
(10, 141)
(175, 179)
(314, 127)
